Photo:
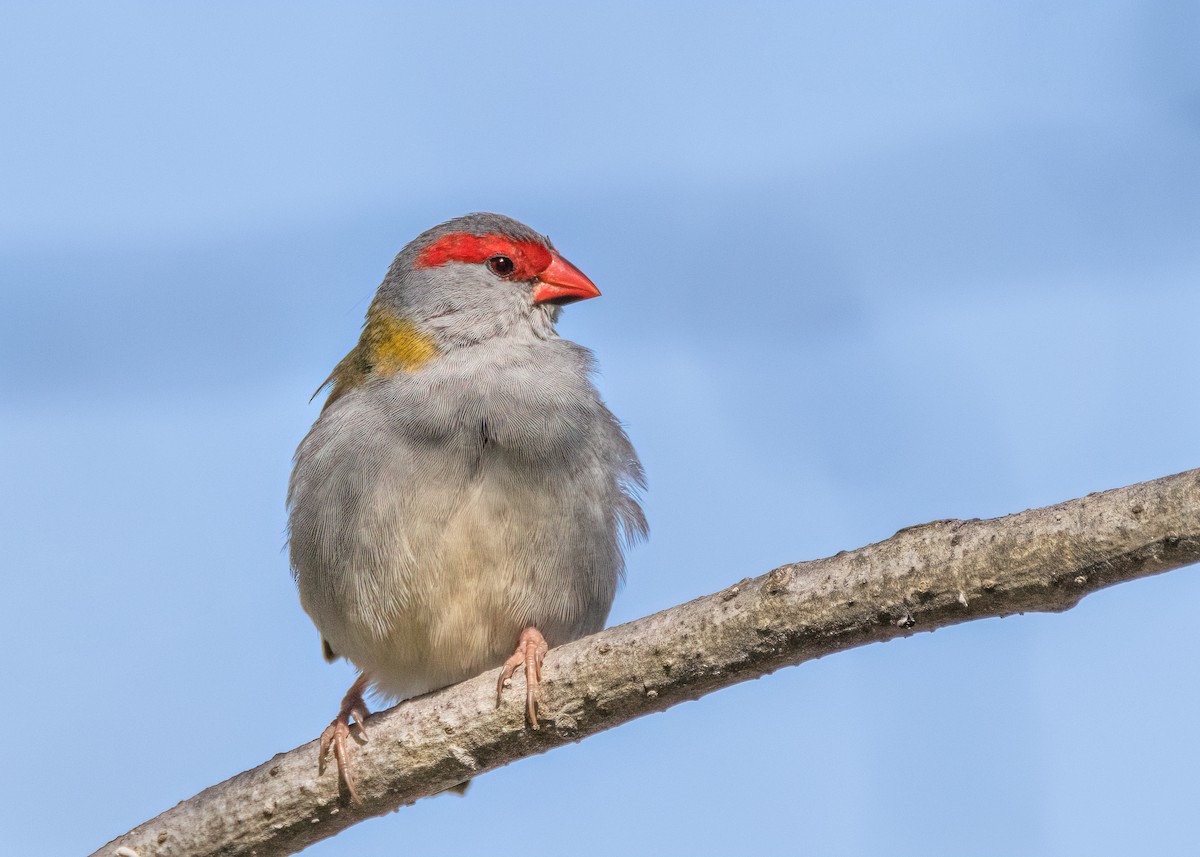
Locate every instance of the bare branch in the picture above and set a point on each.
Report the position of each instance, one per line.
(924, 577)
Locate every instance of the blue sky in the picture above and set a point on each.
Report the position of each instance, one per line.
(863, 267)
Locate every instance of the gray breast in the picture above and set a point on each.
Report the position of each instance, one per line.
(455, 506)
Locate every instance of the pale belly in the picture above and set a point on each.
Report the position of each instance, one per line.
(446, 595)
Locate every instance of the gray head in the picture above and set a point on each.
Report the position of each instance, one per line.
(480, 276)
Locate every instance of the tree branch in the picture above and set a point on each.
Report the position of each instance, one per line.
(924, 577)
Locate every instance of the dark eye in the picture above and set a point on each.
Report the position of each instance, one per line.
(501, 266)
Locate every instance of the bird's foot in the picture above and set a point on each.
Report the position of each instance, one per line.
(530, 651)
(335, 734)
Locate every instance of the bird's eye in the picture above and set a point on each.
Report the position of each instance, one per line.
(501, 266)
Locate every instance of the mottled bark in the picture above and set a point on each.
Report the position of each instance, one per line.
(924, 577)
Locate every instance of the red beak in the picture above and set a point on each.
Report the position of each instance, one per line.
(562, 283)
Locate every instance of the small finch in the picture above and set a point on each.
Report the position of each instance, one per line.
(463, 500)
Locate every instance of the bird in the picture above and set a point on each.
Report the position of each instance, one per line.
(465, 497)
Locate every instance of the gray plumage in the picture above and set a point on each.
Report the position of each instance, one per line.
(436, 513)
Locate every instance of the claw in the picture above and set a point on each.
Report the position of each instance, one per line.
(531, 650)
(335, 734)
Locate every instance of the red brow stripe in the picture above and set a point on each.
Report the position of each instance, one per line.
(529, 257)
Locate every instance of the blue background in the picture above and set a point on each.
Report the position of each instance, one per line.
(863, 266)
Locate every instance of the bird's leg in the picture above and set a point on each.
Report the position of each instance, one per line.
(531, 648)
(338, 731)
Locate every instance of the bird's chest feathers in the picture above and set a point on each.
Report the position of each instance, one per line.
(500, 404)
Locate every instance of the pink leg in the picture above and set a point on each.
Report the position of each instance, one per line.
(531, 649)
(338, 731)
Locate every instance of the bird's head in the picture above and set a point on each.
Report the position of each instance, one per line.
(462, 282)
(480, 276)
